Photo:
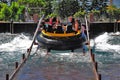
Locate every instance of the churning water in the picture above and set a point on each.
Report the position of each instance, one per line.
(106, 48)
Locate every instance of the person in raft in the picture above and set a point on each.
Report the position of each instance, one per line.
(70, 25)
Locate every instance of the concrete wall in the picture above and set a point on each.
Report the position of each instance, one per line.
(16, 27)
(4, 27)
(99, 28)
(24, 27)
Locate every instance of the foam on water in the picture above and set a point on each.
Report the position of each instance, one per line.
(107, 48)
(102, 42)
(13, 46)
(19, 43)
(66, 56)
(10, 50)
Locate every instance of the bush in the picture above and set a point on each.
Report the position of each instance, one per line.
(79, 14)
(51, 15)
(5, 13)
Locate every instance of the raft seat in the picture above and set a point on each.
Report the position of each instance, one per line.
(59, 29)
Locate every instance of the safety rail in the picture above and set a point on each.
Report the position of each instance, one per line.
(95, 66)
(24, 59)
(17, 67)
(92, 56)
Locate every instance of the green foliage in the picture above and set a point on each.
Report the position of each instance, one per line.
(48, 8)
(36, 3)
(23, 2)
(21, 9)
(5, 13)
(20, 12)
(52, 15)
(17, 11)
(117, 14)
(14, 7)
(117, 11)
(111, 9)
(2, 5)
(95, 12)
(1, 16)
(52, 8)
(68, 8)
(33, 3)
(34, 6)
(80, 14)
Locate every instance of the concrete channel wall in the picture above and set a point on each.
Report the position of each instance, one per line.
(99, 28)
(18, 27)
(29, 27)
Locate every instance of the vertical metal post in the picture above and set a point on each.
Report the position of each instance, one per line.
(96, 66)
(93, 57)
(99, 75)
(12, 31)
(90, 52)
(16, 65)
(7, 76)
(23, 56)
(10, 26)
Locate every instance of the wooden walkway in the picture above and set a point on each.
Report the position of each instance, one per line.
(37, 68)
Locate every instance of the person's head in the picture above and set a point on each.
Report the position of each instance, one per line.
(70, 18)
(58, 20)
(84, 25)
(47, 20)
(50, 21)
(76, 20)
(54, 19)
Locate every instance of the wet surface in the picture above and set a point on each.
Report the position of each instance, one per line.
(60, 66)
(46, 69)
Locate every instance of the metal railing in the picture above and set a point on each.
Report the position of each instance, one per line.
(92, 57)
(24, 58)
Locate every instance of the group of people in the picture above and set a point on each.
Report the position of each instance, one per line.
(55, 25)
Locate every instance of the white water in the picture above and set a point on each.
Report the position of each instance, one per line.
(19, 43)
(102, 42)
(22, 42)
(10, 50)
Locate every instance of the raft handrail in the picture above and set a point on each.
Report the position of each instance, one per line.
(97, 77)
(28, 52)
(86, 22)
(50, 34)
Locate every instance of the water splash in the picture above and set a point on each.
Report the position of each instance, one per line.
(13, 46)
(66, 56)
(18, 43)
(105, 41)
(107, 48)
